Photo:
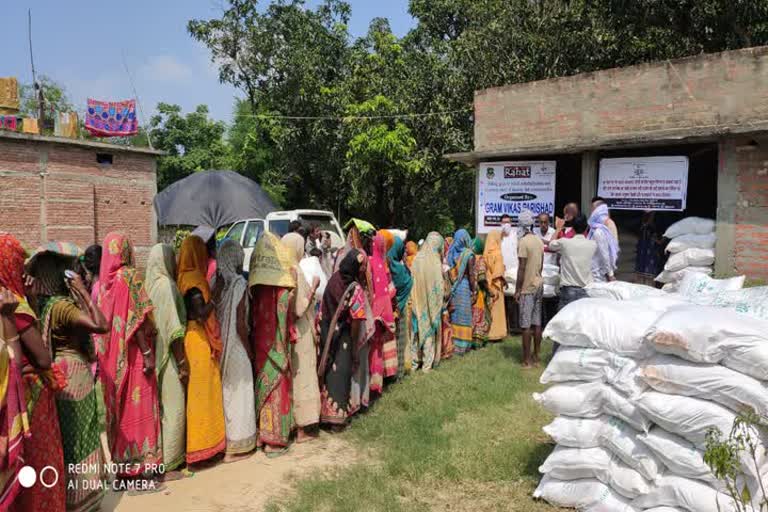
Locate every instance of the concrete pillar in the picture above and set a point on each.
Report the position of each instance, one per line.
(727, 199)
(589, 167)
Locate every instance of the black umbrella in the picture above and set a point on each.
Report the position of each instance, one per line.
(212, 198)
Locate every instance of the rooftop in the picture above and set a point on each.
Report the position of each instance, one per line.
(87, 144)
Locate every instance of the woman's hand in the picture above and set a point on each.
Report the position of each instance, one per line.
(8, 303)
(149, 362)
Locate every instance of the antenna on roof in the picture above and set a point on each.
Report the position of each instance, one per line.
(37, 86)
(136, 95)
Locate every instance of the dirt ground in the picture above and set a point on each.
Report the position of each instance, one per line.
(246, 485)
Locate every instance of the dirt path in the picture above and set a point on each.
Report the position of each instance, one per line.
(243, 486)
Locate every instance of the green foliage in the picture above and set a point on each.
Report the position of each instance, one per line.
(292, 60)
(179, 237)
(54, 94)
(732, 458)
(193, 142)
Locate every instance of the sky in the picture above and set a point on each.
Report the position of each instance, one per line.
(83, 45)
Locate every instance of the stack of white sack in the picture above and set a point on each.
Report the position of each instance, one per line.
(621, 290)
(636, 386)
(691, 248)
(550, 275)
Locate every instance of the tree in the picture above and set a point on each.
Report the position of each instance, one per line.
(54, 93)
(193, 142)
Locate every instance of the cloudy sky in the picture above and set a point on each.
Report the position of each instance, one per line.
(81, 44)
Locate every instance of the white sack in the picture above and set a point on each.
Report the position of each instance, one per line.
(550, 274)
(620, 290)
(607, 432)
(679, 455)
(671, 287)
(683, 242)
(691, 495)
(667, 277)
(550, 291)
(749, 301)
(616, 326)
(690, 258)
(590, 364)
(675, 376)
(577, 463)
(664, 509)
(688, 417)
(590, 400)
(696, 284)
(690, 226)
(588, 495)
(311, 268)
(706, 334)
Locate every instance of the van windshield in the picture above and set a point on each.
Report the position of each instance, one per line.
(279, 227)
(324, 221)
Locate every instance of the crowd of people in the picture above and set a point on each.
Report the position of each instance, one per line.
(195, 362)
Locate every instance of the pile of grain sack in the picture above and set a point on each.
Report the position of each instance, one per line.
(640, 378)
(691, 249)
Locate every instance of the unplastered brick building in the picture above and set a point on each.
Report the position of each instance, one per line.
(72, 190)
(710, 108)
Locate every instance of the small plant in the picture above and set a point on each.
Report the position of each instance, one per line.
(731, 457)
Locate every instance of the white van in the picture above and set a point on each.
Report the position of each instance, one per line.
(248, 231)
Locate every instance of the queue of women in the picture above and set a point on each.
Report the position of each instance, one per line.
(195, 363)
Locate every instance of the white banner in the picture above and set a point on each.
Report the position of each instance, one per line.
(510, 187)
(651, 183)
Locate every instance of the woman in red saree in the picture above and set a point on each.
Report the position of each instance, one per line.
(127, 361)
(39, 384)
(271, 345)
(383, 355)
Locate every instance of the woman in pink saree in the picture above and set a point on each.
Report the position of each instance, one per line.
(384, 317)
(127, 361)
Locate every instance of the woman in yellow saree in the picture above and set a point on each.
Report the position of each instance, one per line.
(494, 266)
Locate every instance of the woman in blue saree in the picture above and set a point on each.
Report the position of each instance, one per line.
(461, 261)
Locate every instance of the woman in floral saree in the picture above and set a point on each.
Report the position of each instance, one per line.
(481, 311)
(172, 369)
(68, 317)
(383, 355)
(342, 326)
(236, 367)
(428, 296)
(206, 436)
(270, 335)
(127, 361)
(403, 282)
(494, 264)
(460, 259)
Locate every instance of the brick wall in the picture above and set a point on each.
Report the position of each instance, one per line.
(707, 93)
(56, 191)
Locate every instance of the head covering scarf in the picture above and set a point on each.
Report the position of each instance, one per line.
(193, 261)
(125, 304)
(12, 256)
(427, 294)
(525, 222)
(295, 242)
(355, 241)
(348, 272)
(461, 242)
(169, 313)
(230, 271)
(401, 276)
(382, 302)
(411, 250)
(494, 260)
(478, 246)
(596, 223)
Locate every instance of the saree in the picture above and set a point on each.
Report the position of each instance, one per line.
(306, 391)
(236, 368)
(427, 297)
(206, 436)
(170, 319)
(130, 395)
(77, 406)
(403, 282)
(494, 268)
(383, 354)
(271, 346)
(459, 260)
(481, 313)
(343, 302)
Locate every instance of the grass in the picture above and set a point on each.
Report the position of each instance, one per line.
(466, 436)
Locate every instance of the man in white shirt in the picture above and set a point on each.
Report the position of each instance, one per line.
(546, 232)
(576, 256)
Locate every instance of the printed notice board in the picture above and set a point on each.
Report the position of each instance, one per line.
(510, 187)
(650, 183)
